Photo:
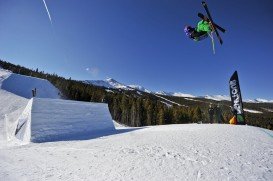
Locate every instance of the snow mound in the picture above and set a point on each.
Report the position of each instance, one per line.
(23, 85)
(47, 120)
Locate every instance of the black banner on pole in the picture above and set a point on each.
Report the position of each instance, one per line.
(236, 99)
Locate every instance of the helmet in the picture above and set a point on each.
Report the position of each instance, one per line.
(188, 30)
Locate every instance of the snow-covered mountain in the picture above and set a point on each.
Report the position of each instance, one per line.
(109, 83)
(113, 84)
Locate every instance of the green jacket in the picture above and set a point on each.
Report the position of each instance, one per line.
(203, 26)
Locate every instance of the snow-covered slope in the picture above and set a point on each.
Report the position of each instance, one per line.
(23, 85)
(176, 94)
(171, 152)
(259, 100)
(55, 119)
(253, 111)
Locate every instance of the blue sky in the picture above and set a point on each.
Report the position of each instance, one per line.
(142, 42)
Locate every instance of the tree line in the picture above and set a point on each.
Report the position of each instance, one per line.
(127, 107)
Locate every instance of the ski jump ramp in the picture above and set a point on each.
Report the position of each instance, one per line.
(47, 120)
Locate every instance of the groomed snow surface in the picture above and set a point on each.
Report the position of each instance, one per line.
(173, 152)
(69, 140)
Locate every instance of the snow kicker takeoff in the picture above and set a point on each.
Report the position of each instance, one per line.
(236, 100)
(206, 27)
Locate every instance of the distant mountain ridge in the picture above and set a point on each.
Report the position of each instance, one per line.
(111, 83)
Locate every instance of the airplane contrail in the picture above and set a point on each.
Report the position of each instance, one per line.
(47, 11)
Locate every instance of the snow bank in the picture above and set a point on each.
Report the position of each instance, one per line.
(23, 85)
(59, 120)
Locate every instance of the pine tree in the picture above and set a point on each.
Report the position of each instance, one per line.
(160, 115)
(197, 116)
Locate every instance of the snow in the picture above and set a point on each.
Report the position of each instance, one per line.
(259, 100)
(23, 85)
(167, 104)
(172, 152)
(139, 93)
(180, 94)
(108, 90)
(169, 100)
(113, 84)
(109, 83)
(263, 100)
(163, 93)
(56, 120)
(140, 88)
(11, 107)
(23, 128)
(253, 111)
(217, 97)
(268, 110)
(176, 94)
(190, 99)
(119, 125)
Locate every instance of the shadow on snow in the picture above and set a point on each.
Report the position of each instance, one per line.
(82, 135)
